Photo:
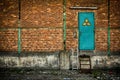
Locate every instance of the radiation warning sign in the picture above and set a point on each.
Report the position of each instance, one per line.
(86, 22)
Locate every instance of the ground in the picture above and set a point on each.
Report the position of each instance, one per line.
(50, 74)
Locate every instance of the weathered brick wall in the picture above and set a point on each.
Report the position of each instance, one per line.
(8, 19)
(8, 40)
(8, 13)
(101, 18)
(42, 40)
(115, 13)
(45, 15)
(115, 40)
(115, 25)
(101, 40)
(41, 13)
(42, 23)
(71, 39)
(101, 25)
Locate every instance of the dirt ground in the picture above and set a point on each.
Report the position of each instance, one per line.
(50, 74)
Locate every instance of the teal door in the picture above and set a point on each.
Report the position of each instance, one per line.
(86, 30)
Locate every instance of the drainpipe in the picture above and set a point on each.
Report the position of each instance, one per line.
(64, 23)
(19, 29)
(108, 28)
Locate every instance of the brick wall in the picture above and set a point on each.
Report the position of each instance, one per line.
(8, 13)
(8, 40)
(115, 25)
(115, 14)
(41, 13)
(115, 40)
(8, 19)
(42, 40)
(71, 39)
(42, 24)
(101, 40)
(101, 25)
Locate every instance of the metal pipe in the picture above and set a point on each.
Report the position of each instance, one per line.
(19, 29)
(108, 28)
(64, 23)
(78, 7)
(19, 41)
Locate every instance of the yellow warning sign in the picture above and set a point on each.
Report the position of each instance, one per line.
(86, 23)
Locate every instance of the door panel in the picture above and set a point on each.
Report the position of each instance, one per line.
(86, 30)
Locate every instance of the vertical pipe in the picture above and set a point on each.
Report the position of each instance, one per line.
(108, 27)
(64, 23)
(19, 41)
(19, 29)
